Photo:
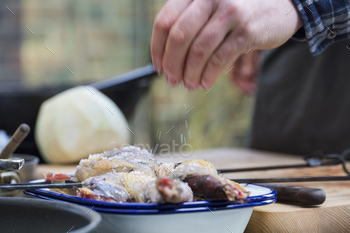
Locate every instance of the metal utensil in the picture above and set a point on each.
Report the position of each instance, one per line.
(314, 159)
(16, 139)
(7, 174)
(67, 184)
(12, 164)
(291, 179)
(17, 170)
(39, 185)
(29, 170)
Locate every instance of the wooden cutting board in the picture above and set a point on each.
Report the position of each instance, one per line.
(332, 216)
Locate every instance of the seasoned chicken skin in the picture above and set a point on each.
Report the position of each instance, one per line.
(134, 187)
(166, 190)
(206, 184)
(132, 174)
(117, 160)
(108, 187)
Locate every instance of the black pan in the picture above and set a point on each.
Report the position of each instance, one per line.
(33, 215)
(19, 105)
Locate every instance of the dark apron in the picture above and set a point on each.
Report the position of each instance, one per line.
(303, 102)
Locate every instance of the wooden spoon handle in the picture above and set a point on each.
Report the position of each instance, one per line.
(16, 139)
(298, 195)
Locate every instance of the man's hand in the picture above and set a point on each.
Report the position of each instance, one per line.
(245, 71)
(194, 40)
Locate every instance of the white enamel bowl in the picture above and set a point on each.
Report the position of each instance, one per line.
(190, 217)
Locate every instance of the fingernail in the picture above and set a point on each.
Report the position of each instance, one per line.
(185, 85)
(172, 82)
(156, 68)
(169, 78)
(204, 86)
(201, 86)
(166, 78)
(189, 87)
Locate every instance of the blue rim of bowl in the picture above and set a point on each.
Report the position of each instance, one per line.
(131, 211)
(84, 201)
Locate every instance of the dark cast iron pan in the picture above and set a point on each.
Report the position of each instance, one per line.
(33, 215)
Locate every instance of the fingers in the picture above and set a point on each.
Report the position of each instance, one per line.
(226, 54)
(245, 71)
(162, 24)
(246, 86)
(181, 35)
(205, 44)
(235, 73)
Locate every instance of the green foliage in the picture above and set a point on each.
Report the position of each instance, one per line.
(219, 118)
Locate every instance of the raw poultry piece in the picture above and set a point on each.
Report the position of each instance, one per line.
(166, 190)
(138, 177)
(116, 160)
(119, 160)
(200, 162)
(108, 187)
(98, 166)
(135, 187)
(118, 186)
(206, 184)
(164, 170)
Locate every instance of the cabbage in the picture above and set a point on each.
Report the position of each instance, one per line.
(78, 122)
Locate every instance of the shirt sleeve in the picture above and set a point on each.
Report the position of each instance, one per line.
(325, 22)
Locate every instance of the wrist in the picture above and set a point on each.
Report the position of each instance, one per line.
(296, 15)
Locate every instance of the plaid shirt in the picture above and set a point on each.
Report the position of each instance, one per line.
(325, 22)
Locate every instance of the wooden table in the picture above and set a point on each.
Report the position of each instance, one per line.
(332, 216)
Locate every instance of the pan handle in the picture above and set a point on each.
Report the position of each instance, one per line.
(143, 72)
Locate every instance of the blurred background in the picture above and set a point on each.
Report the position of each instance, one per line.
(46, 45)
